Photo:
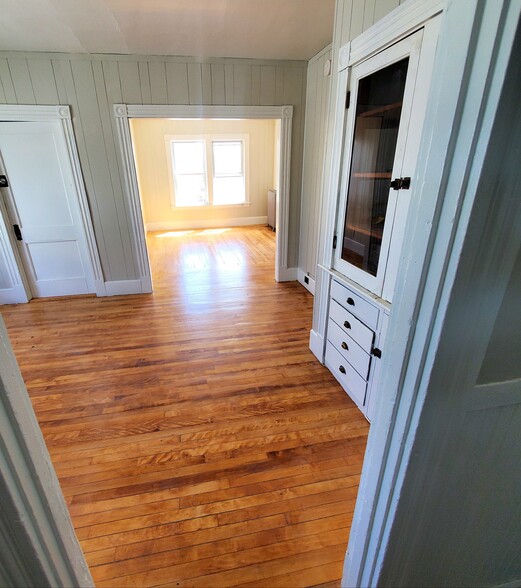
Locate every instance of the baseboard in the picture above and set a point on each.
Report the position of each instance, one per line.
(122, 287)
(307, 281)
(287, 274)
(316, 344)
(99, 286)
(207, 224)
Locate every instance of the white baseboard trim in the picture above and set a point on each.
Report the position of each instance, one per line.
(14, 295)
(316, 344)
(287, 274)
(146, 285)
(99, 286)
(207, 224)
(307, 281)
(121, 287)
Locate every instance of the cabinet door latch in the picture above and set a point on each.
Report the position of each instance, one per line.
(334, 241)
(401, 183)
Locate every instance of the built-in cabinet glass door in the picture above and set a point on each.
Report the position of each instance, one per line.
(378, 111)
(376, 138)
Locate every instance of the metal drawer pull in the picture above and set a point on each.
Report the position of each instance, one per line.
(344, 346)
(347, 324)
(350, 301)
(342, 369)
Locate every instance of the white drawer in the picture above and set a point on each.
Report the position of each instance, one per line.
(352, 326)
(354, 354)
(356, 305)
(348, 377)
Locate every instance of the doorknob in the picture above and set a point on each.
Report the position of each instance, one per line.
(17, 232)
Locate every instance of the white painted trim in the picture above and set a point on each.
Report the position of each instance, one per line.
(310, 286)
(467, 82)
(124, 112)
(217, 223)
(38, 543)
(398, 24)
(121, 287)
(288, 274)
(317, 345)
(61, 113)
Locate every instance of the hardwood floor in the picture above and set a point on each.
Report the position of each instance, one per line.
(197, 440)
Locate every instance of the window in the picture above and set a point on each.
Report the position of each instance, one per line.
(228, 172)
(189, 165)
(208, 171)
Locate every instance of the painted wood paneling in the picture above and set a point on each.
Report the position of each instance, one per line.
(92, 84)
(317, 105)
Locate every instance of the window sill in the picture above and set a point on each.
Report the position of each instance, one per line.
(207, 206)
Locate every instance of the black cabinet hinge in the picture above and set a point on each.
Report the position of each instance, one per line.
(3, 182)
(376, 352)
(334, 241)
(17, 233)
(348, 99)
(401, 183)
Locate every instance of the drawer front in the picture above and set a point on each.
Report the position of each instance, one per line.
(350, 350)
(356, 305)
(352, 326)
(348, 377)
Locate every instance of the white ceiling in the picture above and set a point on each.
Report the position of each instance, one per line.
(263, 29)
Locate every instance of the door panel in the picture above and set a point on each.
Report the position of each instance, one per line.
(42, 200)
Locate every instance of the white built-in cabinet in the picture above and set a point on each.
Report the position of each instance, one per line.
(382, 92)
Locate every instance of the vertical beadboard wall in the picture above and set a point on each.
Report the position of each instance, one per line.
(317, 108)
(90, 84)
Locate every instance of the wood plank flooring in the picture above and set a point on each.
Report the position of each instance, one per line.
(197, 440)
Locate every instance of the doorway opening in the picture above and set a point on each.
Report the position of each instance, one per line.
(126, 116)
(205, 188)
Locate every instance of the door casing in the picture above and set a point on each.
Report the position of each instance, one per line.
(21, 292)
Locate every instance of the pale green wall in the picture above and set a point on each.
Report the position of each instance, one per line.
(91, 84)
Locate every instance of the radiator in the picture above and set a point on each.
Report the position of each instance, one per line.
(272, 209)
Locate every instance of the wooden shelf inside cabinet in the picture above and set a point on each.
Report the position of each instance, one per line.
(373, 175)
(381, 109)
(376, 233)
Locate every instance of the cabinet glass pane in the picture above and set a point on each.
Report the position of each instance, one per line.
(378, 111)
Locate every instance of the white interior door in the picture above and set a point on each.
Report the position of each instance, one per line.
(43, 209)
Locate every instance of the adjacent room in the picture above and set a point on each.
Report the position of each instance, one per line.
(208, 192)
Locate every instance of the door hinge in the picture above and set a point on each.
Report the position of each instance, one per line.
(3, 182)
(348, 99)
(17, 232)
(334, 241)
(401, 183)
(376, 352)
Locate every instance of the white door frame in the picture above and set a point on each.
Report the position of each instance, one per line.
(124, 112)
(61, 113)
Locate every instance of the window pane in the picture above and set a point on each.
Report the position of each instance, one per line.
(190, 190)
(227, 158)
(188, 157)
(228, 190)
(378, 111)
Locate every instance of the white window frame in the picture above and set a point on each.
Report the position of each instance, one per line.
(209, 139)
